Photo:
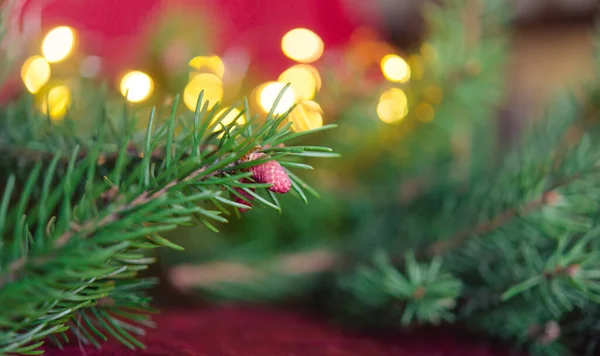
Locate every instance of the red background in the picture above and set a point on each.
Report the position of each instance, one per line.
(113, 28)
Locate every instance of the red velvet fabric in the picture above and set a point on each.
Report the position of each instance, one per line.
(257, 331)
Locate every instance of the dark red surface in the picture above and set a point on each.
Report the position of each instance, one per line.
(255, 331)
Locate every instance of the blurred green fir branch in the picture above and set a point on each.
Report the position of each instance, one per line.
(421, 293)
(523, 237)
(458, 74)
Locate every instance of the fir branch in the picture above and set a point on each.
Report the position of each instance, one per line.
(568, 138)
(446, 245)
(24, 154)
(83, 218)
(87, 229)
(382, 294)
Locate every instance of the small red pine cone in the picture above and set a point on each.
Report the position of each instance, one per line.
(245, 195)
(270, 172)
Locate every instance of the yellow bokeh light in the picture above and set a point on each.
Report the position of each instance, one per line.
(56, 102)
(230, 116)
(268, 94)
(136, 86)
(210, 84)
(255, 95)
(392, 106)
(306, 116)
(302, 45)
(395, 94)
(304, 80)
(35, 73)
(425, 112)
(226, 118)
(58, 44)
(395, 68)
(211, 64)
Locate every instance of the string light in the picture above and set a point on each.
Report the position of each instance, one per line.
(226, 117)
(56, 102)
(302, 45)
(207, 82)
(35, 73)
(211, 64)
(392, 106)
(395, 68)
(394, 94)
(307, 115)
(136, 86)
(424, 112)
(268, 94)
(304, 80)
(255, 96)
(58, 44)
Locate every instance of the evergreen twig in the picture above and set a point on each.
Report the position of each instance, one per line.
(81, 232)
(88, 228)
(445, 245)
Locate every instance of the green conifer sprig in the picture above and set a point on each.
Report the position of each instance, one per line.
(78, 210)
(380, 294)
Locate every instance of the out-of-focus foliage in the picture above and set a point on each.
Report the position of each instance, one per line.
(512, 231)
